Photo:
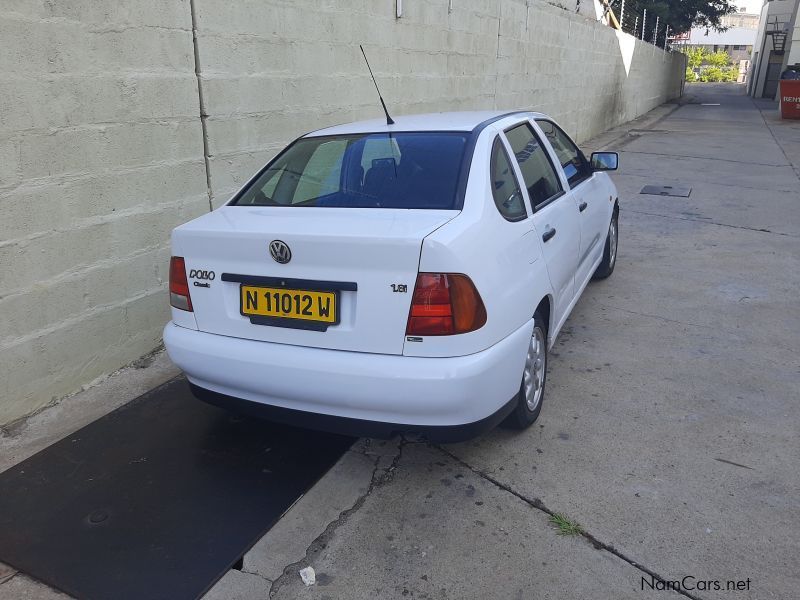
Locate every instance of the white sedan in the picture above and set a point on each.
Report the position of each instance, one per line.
(375, 279)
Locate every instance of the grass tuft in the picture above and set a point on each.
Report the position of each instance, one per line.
(565, 525)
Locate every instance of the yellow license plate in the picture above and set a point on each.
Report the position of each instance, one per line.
(283, 303)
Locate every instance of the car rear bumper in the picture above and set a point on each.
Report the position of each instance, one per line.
(366, 394)
(351, 426)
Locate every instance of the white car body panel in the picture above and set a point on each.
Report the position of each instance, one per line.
(366, 367)
(374, 387)
(493, 252)
(444, 121)
(371, 247)
(593, 222)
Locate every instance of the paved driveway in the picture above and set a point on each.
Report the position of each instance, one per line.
(670, 431)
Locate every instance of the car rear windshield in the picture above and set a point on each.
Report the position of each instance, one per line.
(373, 170)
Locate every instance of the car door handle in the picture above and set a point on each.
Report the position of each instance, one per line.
(548, 234)
(582, 206)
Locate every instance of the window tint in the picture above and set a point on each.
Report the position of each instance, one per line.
(575, 165)
(537, 171)
(377, 170)
(379, 148)
(322, 172)
(507, 195)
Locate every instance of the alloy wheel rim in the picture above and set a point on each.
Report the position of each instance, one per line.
(535, 369)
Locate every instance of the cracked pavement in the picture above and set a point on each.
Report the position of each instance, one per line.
(670, 427)
(669, 430)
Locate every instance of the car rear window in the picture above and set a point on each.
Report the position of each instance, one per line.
(418, 170)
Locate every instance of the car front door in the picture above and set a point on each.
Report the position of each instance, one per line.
(555, 214)
(588, 193)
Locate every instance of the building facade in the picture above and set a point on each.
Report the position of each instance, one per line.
(741, 19)
(738, 42)
(777, 46)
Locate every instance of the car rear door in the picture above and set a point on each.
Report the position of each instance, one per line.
(555, 214)
(588, 193)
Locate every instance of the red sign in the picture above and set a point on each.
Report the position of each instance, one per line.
(790, 98)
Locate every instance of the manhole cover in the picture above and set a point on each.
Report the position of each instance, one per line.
(681, 191)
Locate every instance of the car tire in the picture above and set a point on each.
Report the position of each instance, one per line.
(529, 399)
(606, 266)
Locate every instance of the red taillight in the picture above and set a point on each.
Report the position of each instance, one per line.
(179, 285)
(445, 304)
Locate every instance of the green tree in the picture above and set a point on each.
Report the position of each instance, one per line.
(680, 15)
(720, 59)
(712, 74)
(694, 56)
(715, 66)
(709, 66)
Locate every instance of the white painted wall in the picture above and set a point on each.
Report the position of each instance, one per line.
(101, 145)
(793, 43)
(782, 11)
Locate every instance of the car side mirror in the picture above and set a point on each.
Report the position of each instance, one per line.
(605, 161)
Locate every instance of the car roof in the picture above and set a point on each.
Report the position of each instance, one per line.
(443, 121)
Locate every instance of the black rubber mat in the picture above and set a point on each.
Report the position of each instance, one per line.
(157, 499)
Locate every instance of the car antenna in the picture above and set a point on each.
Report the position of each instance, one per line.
(389, 120)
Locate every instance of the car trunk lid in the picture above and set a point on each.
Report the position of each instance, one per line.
(368, 258)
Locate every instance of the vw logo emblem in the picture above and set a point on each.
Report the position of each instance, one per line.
(280, 251)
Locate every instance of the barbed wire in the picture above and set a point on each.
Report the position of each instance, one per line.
(640, 24)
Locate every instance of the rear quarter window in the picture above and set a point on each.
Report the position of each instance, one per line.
(534, 164)
(505, 189)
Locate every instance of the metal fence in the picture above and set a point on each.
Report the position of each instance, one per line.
(640, 24)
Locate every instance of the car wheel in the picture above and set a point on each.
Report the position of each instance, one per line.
(529, 399)
(606, 266)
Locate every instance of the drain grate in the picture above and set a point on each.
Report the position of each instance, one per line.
(680, 191)
(642, 131)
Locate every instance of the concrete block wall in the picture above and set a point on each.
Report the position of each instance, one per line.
(274, 69)
(102, 145)
(101, 154)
